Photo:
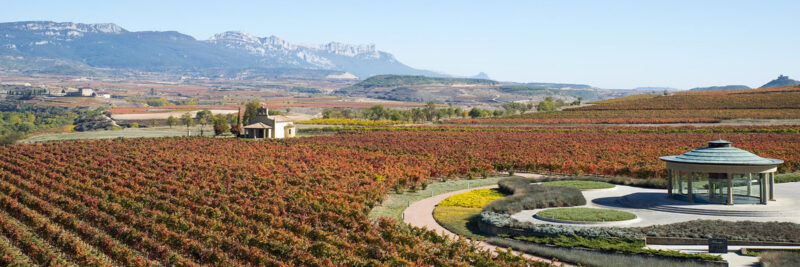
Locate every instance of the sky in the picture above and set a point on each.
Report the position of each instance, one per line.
(608, 44)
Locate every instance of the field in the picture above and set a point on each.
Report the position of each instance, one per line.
(207, 201)
(618, 151)
(123, 133)
(779, 103)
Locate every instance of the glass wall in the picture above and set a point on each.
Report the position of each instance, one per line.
(746, 188)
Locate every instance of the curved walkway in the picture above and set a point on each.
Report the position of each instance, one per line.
(420, 214)
(652, 207)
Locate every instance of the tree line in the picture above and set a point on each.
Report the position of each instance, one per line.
(432, 112)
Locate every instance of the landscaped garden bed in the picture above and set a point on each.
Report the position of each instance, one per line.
(585, 215)
(459, 213)
(782, 258)
(580, 184)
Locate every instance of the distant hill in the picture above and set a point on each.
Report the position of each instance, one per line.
(780, 81)
(655, 88)
(461, 90)
(726, 87)
(406, 80)
(561, 85)
(53, 47)
(481, 75)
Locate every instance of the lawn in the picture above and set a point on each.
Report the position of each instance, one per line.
(395, 204)
(459, 220)
(580, 184)
(459, 213)
(586, 214)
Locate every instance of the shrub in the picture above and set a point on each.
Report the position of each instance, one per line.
(739, 230)
(554, 230)
(787, 177)
(595, 257)
(772, 258)
(580, 184)
(615, 245)
(657, 183)
(472, 199)
(526, 196)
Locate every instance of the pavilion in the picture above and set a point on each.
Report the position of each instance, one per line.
(722, 174)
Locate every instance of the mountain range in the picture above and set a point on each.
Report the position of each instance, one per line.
(54, 47)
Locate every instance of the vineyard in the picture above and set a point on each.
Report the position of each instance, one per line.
(580, 116)
(681, 107)
(621, 151)
(767, 98)
(206, 201)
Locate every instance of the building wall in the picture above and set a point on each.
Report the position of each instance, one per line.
(280, 129)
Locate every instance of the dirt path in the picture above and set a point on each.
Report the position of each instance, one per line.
(420, 214)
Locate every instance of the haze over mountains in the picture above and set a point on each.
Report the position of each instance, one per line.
(70, 46)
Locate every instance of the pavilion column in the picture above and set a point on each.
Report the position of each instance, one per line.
(669, 183)
(762, 180)
(680, 182)
(730, 189)
(772, 186)
(691, 197)
(749, 183)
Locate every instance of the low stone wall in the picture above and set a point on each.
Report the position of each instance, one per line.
(704, 241)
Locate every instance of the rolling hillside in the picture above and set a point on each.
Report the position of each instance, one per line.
(459, 90)
(682, 107)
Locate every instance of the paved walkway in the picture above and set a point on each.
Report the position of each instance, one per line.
(652, 207)
(657, 209)
(420, 214)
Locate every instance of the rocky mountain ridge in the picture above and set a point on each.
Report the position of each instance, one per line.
(107, 45)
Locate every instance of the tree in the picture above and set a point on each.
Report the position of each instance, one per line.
(220, 125)
(154, 123)
(430, 110)
(347, 113)
(498, 113)
(236, 129)
(187, 120)
(375, 112)
(546, 104)
(204, 117)
(251, 110)
(475, 113)
(172, 121)
(326, 114)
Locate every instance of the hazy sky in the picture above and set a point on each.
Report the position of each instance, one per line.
(610, 44)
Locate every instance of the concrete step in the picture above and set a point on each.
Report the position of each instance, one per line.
(627, 202)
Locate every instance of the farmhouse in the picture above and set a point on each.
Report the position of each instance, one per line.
(87, 92)
(722, 174)
(265, 126)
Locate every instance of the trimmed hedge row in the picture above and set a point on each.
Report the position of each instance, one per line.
(525, 196)
(497, 223)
